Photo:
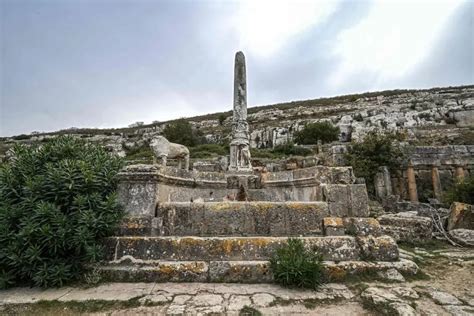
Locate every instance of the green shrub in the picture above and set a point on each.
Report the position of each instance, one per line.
(181, 132)
(462, 191)
(290, 149)
(143, 153)
(293, 265)
(208, 150)
(374, 151)
(56, 202)
(311, 133)
(263, 153)
(221, 118)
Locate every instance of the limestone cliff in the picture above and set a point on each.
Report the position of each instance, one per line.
(435, 116)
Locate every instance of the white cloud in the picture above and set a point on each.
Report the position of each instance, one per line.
(264, 26)
(391, 40)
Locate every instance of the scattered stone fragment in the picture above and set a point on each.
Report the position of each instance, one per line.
(405, 292)
(207, 300)
(461, 215)
(237, 302)
(443, 298)
(403, 309)
(263, 299)
(459, 310)
(391, 275)
(154, 298)
(181, 299)
(463, 236)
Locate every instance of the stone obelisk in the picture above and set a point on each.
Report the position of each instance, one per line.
(240, 143)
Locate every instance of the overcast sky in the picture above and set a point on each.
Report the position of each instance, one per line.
(109, 63)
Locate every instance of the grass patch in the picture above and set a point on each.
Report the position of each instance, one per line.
(68, 308)
(249, 311)
(430, 245)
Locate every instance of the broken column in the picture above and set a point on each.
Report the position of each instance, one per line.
(240, 143)
(436, 182)
(412, 192)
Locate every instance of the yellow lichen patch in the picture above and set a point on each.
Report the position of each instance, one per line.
(373, 222)
(262, 206)
(166, 269)
(335, 273)
(333, 222)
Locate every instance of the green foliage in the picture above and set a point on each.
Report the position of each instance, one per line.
(280, 151)
(374, 151)
(290, 149)
(143, 153)
(56, 202)
(293, 265)
(181, 132)
(221, 118)
(462, 191)
(249, 311)
(311, 133)
(208, 150)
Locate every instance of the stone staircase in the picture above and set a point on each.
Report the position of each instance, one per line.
(234, 241)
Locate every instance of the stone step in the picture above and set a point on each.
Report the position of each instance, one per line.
(230, 219)
(255, 271)
(334, 248)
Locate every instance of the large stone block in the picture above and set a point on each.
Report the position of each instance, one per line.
(347, 200)
(404, 228)
(240, 271)
(137, 189)
(242, 218)
(461, 215)
(337, 248)
(382, 248)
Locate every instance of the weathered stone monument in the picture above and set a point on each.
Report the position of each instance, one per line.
(240, 143)
(182, 225)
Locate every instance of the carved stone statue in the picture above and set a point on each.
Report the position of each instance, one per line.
(163, 149)
(240, 143)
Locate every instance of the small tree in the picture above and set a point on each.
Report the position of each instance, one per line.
(56, 202)
(222, 118)
(181, 132)
(374, 151)
(311, 133)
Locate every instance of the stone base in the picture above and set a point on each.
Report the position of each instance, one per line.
(335, 248)
(130, 270)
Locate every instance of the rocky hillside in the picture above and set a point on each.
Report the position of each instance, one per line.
(435, 116)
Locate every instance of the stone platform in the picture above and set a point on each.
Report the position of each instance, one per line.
(178, 228)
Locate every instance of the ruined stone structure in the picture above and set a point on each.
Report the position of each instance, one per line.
(240, 144)
(191, 225)
(430, 171)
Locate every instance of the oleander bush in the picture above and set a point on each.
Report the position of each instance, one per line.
(56, 202)
(295, 266)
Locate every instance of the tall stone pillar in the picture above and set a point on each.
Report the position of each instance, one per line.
(436, 182)
(240, 143)
(412, 192)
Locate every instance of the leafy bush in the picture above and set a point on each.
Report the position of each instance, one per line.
(56, 202)
(293, 265)
(462, 191)
(142, 153)
(374, 151)
(181, 132)
(208, 150)
(311, 133)
(290, 149)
